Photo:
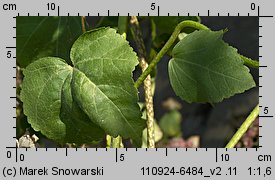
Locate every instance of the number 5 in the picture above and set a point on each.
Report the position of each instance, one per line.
(153, 6)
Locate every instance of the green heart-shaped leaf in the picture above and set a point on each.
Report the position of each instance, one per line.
(78, 104)
(206, 69)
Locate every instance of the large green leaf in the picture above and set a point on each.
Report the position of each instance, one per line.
(38, 37)
(206, 69)
(78, 104)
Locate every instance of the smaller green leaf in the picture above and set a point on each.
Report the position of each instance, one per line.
(206, 69)
(170, 124)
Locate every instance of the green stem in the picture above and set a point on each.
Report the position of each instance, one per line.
(249, 62)
(166, 47)
(241, 131)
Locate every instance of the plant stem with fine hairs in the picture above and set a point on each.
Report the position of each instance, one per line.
(136, 32)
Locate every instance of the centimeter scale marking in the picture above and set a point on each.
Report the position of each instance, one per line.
(118, 155)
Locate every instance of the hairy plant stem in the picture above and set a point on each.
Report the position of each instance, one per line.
(188, 23)
(136, 32)
(83, 20)
(241, 131)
